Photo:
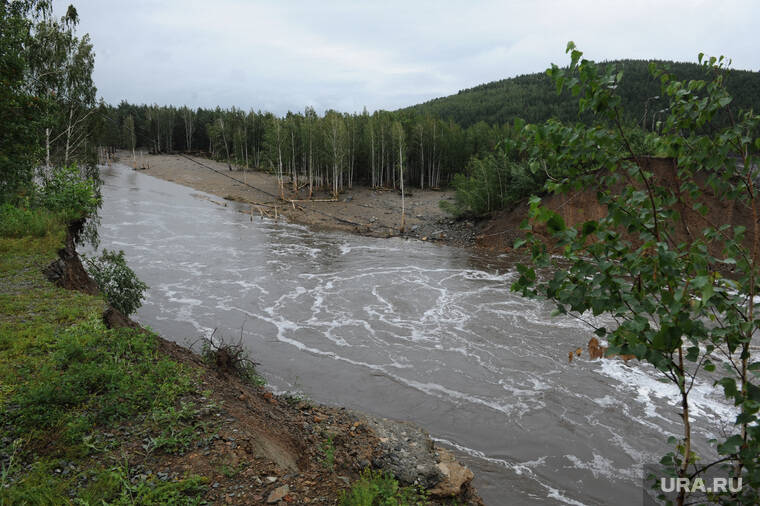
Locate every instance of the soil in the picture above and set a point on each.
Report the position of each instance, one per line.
(363, 210)
(579, 206)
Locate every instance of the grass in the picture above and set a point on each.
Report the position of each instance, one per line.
(378, 489)
(21, 222)
(67, 383)
(328, 449)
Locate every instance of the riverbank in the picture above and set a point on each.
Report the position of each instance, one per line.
(362, 210)
(94, 413)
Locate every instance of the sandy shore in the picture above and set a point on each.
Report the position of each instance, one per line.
(360, 209)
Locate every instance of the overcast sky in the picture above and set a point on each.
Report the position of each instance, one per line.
(345, 55)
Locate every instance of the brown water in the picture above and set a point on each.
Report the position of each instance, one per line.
(406, 330)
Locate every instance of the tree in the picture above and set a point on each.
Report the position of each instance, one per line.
(188, 117)
(60, 74)
(683, 297)
(399, 140)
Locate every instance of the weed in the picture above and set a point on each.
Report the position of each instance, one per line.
(7, 468)
(229, 358)
(179, 428)
(231, 471)
(328, 448)
(21, 222)
(116, 487)
(379, 489)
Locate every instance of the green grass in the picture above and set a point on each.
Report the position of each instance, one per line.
(378, 489)
(21, 222)
(328, 450)
(66, 381)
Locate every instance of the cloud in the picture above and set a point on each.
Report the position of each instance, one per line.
(344, 55)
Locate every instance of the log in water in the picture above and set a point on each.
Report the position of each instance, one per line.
(407, 330)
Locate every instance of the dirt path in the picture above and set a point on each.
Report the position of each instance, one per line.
(361, 210)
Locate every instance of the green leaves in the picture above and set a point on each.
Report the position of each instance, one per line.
(679, 279)
(120, 285)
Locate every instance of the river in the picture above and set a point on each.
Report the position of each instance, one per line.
(403, 329)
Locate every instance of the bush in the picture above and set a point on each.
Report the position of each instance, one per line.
(21, 222)
(67, 191)
(120, 285)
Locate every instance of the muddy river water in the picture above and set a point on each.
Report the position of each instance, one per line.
(407, 330)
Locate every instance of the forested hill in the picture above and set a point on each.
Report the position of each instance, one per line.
(533, 97)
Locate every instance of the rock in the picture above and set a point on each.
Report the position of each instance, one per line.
(407, 453)
(456, 476)
(271, 479)
(278, 494)
(372, 219)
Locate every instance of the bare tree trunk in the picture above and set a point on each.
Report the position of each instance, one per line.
(47, 147)
(422, 159)
(224, 139)
(372, 155)
(311, 170)
(401, 171)
(68, 137)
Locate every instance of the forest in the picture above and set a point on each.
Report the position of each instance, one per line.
(330, 151)
(534, 97)
(431, 145)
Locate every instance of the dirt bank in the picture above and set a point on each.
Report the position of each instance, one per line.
(362, 210)
(579, 206)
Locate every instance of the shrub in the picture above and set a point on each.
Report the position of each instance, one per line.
(66, 190)
(21, 222)
(120, 285)
(376, 488)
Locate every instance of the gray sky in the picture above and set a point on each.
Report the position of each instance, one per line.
(284, 55)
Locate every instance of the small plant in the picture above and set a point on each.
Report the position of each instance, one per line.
(120, 285)
(380, 489)
(328, 448)
(231, 471)
(179, 429)
(228, 358)
(7, 468)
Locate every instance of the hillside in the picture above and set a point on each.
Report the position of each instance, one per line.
(533, 97)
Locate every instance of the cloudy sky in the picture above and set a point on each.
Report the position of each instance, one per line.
(345, 55)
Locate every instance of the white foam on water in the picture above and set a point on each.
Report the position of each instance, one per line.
(602, 467)
(642, 382)
(519, 468)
